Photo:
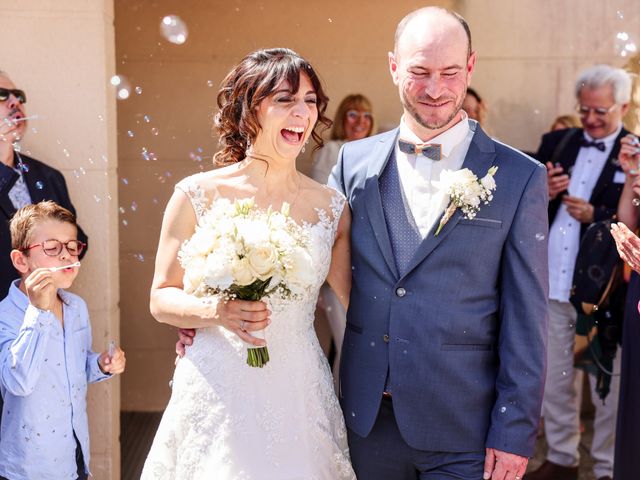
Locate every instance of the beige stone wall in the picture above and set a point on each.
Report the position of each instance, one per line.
(61, 52)
(529, 54)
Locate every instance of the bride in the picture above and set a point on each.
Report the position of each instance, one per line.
(225, 419)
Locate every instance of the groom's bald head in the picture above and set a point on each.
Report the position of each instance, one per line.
(431, 17)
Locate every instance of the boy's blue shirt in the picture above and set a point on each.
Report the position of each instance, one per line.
(44, 373)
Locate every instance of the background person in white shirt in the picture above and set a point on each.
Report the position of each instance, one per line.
(585, 183)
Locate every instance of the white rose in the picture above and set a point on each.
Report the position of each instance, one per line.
(252, 232)
(217, 271)
(282, 239)
(194, 274)
(262, 260)
(300, 273)
(488, 182)
(277, 221)
(242, 273)
(202, 242)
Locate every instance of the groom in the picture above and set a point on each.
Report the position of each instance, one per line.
(444, 353)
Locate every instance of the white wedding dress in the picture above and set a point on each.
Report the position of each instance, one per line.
(229, 421)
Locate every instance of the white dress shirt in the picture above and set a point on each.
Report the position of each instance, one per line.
(416, 173)
(564, 234)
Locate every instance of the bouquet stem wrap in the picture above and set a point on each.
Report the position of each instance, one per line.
(256, 356)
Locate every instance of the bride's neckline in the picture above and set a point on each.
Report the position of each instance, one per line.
(321, 212)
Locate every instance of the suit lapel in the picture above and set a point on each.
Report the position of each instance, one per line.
(38, 189)
(8, 178)
(480, 156)
(609, 169)
(378, 159)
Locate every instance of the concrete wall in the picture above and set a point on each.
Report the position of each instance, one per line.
(61, 52)
(529, 54)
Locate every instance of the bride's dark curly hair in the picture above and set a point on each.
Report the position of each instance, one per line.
(251, 81)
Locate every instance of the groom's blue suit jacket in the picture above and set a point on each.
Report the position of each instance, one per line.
(461, 336)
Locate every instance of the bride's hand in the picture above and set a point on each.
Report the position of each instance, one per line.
(242, 317)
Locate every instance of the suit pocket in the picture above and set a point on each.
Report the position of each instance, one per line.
(481, 222)
(466, 346)
(354, 328)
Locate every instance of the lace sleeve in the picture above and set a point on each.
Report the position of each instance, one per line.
(192, 189)
(338, 201)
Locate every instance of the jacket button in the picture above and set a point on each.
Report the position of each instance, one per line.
(385, 337)
(401, 292)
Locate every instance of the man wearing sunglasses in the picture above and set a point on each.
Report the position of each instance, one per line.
(23, 180)
(585, 182)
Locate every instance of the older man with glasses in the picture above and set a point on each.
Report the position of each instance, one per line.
(585, 182)
(23, 180)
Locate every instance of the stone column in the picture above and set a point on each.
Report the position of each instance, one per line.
(62, 53)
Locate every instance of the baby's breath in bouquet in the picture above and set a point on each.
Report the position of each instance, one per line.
(241, 251)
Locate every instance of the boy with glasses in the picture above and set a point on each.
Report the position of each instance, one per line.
(46, 359)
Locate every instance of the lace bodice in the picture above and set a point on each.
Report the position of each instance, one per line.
(227, 420)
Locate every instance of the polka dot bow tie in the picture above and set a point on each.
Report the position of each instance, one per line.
(429, 150)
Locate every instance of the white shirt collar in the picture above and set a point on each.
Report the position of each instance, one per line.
(608, 140)
(448, 139)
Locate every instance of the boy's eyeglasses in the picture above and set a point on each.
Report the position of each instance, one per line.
(19, 94)
(354, 115)
(583, 110)
(53, 248)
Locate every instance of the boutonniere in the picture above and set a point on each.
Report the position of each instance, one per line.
(465, 191)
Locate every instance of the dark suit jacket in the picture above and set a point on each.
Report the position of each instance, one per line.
(44, 183)
(462, 333)
(605, 194)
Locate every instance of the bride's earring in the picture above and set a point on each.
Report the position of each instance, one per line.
(304, 146)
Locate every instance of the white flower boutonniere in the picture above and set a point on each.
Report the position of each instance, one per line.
(465, 191)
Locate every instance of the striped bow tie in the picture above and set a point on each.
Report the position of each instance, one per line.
(429, 150)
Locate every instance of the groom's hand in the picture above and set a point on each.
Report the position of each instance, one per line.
(500, 465)
(186, 336)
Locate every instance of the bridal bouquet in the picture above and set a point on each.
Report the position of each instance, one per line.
(465, 192)
(240, 251)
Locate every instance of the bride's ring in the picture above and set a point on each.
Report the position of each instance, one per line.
(242, 325)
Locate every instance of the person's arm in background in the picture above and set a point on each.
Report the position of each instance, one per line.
(629, 158)
(627, 242)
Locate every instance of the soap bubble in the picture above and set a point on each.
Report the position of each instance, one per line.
(174, 29)
(624, 45)
(139, 90)
(122, 86)
(39, 185)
